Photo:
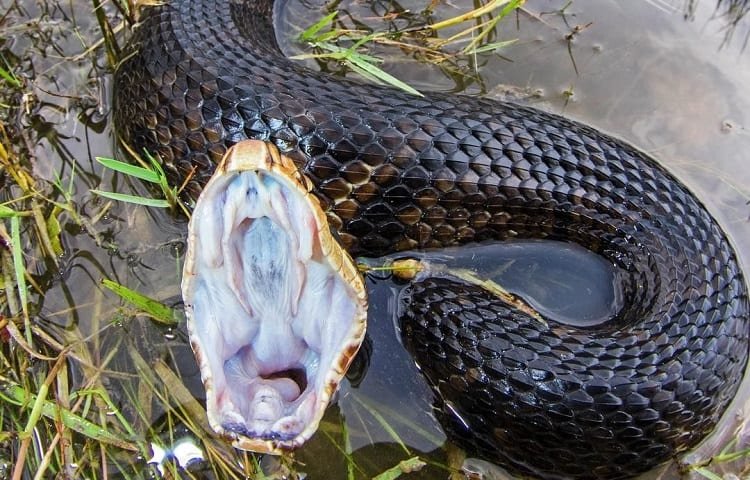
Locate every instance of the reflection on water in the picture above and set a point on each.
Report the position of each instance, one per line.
(561, 281)
(733, 14)
(667, 75)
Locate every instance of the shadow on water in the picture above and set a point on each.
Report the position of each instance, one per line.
(667, 75)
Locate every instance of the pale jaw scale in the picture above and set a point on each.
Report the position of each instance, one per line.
(276, 308)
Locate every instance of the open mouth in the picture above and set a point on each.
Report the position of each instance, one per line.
(276, 309)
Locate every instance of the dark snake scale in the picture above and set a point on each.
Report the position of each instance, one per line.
(398, 172)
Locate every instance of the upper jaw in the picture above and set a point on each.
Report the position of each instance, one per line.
(276, 308)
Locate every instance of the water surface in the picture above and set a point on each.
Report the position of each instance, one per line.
(670, 83)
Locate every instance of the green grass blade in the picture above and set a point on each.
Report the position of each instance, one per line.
(386, 426)
(335, 53)
(360, 63)
(170, 193)
(476, 13)
(381, 75)
(36, 411)
(492, 46)
(363, 73)
(363, 40)
(7, 212)
(20, 272)
(113, 409)
(413, 464)
(18, 396)
(54, 230)
(7, 74)
(157, 168)
(310, 33)
(157, 310)
(708, 474)
(122, 197)
(328, 36)
(8, 77)
(350, 464)
(490, 25)
(731, 456)
(130, 170)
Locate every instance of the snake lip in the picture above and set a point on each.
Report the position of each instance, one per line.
(276, 309)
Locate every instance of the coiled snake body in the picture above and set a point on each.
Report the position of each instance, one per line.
(397, 172)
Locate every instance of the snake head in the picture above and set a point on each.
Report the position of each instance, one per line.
(276, 308)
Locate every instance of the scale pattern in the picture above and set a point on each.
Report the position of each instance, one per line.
(396, 172)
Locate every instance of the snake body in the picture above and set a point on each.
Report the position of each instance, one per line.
(397, 172)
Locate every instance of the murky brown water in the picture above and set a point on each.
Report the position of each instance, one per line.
(638, 70)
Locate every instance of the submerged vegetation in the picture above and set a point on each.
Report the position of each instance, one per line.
(419, 40)
(97, 379)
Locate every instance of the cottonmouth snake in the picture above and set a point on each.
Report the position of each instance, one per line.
(397, 172)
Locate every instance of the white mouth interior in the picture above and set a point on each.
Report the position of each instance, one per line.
(269, 316)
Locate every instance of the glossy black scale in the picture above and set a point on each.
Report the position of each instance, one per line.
(397, 172)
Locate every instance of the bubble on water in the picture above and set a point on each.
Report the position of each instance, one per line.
(169, 334)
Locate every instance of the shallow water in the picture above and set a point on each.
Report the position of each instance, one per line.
(641, 71)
